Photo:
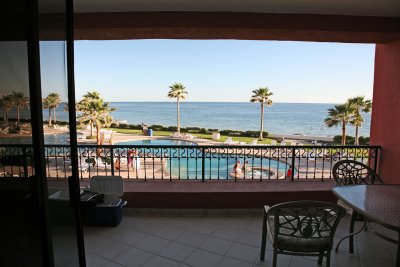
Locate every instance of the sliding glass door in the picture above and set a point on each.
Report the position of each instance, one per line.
(40, 225)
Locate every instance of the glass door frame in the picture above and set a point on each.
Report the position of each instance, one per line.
(39, 182)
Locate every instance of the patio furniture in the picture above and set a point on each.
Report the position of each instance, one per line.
(351, 172)
(386, 211)
(229, 141)
(176, 135)
(301, 228)
(216, 136)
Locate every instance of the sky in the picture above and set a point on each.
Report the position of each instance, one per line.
(224, 70)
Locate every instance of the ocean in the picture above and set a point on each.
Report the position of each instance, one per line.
(280, 118)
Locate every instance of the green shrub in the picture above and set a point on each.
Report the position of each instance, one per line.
(156, 127)
(106, 160)
(363, 140)
(171, 128)
(135, 127)
(349, 139)
(243, 134)
(90, 161)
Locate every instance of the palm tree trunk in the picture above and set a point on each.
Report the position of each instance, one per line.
(18, 114)
(91, 129)
(343, 133)
(98, 135)
(99, 150)
(262, 121)
(356, 137)
(54, 115)
(49, 117)
(5, 116)
(178, 115)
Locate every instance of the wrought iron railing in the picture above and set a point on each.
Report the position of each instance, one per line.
(150, 162)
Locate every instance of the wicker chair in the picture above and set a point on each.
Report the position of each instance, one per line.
(351, 172)
(303, 228)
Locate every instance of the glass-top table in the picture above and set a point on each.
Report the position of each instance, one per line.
(377, 203)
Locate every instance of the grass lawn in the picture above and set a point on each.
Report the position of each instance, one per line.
(203, 136)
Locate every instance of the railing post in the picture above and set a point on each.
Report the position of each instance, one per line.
(376, 158)
(112, 160)
(293, 161)
(203, 165)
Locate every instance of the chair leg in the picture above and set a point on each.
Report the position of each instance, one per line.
(274, 257)
(328, 258)
(320, 257)
(264, 238)
(398, 251)
(351, 239)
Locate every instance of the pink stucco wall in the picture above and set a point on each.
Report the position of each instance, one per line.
(385, 125)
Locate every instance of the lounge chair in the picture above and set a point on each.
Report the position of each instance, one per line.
(5, 130)
(81, 136)
(254, 142)
(229, 141)
(102, 164)
(189, 136)
(176, 135)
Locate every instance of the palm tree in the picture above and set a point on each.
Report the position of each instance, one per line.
(20, 101)
(51, 102)
(261, 95)
(6, 105)
(177, 90)
(340, 114)
(359, 105)
(83, 106)
(94, 111)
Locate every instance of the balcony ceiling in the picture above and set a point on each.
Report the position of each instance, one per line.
(381, 8)
(350, 21)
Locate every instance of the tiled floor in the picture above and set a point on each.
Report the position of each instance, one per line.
(210, 238)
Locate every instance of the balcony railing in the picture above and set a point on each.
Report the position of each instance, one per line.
(201, 163)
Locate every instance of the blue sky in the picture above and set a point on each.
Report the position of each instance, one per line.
(224, 70)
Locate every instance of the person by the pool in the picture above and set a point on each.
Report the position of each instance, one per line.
(289, 172)
(131, 155)
(246, 167)
(236, 168)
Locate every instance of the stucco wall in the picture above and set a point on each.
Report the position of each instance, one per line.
(385, 125)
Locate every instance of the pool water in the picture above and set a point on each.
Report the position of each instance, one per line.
(186, 163)
(220, 167)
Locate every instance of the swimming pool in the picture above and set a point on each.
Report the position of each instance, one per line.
(220, 166)
(186, 163)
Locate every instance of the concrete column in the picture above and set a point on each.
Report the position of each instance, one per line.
(385, 124)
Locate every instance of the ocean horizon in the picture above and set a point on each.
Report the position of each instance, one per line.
(280, 118)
